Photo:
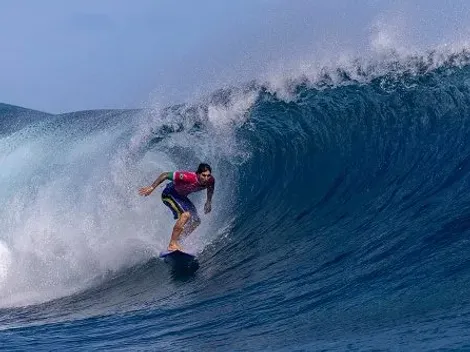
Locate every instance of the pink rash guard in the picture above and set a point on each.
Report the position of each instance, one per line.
(186, 182)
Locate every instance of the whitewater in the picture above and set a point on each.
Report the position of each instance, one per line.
(340, 219)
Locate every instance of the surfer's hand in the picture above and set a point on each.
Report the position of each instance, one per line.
(207, 207)
(145, 191)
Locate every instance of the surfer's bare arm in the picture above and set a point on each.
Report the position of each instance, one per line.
(208, 205)
(145, 191)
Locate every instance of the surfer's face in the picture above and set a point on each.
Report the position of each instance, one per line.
(204, 177)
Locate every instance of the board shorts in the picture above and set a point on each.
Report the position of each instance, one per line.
(178, 204)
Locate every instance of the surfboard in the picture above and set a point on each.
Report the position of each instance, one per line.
(180, 261)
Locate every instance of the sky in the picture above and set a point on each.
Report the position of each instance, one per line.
(61, 56)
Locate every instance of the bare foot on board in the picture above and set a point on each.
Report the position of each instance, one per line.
(174, 246)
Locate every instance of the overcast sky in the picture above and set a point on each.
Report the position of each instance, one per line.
(60, 56)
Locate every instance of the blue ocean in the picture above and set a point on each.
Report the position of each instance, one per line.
(340, 221)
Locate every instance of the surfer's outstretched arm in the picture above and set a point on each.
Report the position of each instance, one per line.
(145, 191)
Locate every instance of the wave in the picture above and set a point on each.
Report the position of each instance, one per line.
(346, 199)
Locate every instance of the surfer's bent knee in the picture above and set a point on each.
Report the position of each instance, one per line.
(186, 215)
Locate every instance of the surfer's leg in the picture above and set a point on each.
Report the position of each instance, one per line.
(186, 214)
(192, 224)
(177, 230)
(172, 201)
(194, 221)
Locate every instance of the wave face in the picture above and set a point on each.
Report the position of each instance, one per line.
(341, 218)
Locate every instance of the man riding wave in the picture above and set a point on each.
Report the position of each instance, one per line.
(174, 196)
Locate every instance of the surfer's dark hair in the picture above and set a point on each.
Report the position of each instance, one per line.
(203, 167)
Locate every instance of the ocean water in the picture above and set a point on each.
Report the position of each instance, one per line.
(341, 218)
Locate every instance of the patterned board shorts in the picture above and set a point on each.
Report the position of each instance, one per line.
(178, 204)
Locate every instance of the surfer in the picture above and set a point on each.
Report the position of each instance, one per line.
(175, 197)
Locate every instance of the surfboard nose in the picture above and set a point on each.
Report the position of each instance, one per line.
(180, 261)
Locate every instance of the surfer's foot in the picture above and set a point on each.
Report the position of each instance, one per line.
(174, 246)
